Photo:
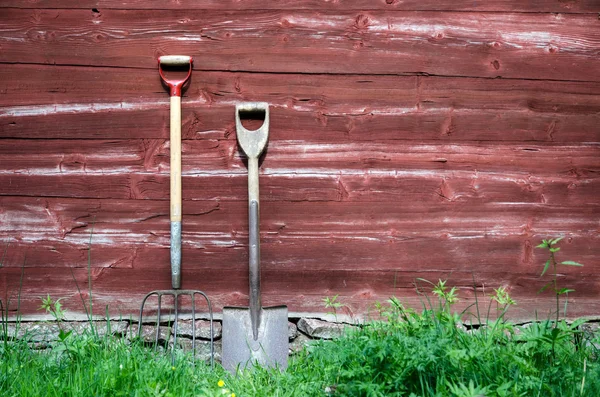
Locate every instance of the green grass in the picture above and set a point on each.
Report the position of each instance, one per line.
(90, 365)
(405, 354)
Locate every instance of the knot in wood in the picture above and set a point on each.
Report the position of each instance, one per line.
(362, 22)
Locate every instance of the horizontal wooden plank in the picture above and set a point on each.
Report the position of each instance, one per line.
(300, 290)
(63, 157)
(217, 122)
(450, 250)
(125, 103)
(532, 46)
(97, 7)
(146, 221)
(43, 232)
(127, 89)
(363, 187)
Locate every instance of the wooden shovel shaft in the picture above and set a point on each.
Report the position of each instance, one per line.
(175, 178)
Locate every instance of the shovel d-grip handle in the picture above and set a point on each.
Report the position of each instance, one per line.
(252, 142)
(175, 86)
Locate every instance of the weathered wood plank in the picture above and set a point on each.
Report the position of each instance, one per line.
(89, 157)
(217, 122)
(125, 88)
(303, 290)
(50, 233)
(125, 103)
(296, 171)
(146, 221)
(155, 186)
(375, 42)
(452, 188)
(95, 6)
(448, 251)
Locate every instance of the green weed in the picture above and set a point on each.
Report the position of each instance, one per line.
(551, 246)
(333, 303)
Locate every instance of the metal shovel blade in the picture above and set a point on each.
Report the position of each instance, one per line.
(269, 349)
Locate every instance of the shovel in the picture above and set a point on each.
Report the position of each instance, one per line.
(255, 334)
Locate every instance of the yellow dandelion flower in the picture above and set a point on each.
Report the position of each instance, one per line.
(232, 394)
(173, 368)
(220, 383)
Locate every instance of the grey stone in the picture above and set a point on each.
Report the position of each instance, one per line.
(202, 348)
(101, 327)
(298, 344)
(41, 346)
(184, 328)
(591, 334)
(48, 331)
(118, 328)
(518, 330)
(320, 329)
(149, 333)
(292, 331)
(590, 330)
(9, 333)
(37, 332)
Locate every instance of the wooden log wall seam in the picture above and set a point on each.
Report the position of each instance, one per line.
(535, 6)
(409, 139)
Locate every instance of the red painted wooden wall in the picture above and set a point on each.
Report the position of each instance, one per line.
(432, 139)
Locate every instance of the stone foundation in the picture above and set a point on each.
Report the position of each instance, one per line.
(42, 334)
(301, 331)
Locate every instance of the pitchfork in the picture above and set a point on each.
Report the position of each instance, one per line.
(176, 63)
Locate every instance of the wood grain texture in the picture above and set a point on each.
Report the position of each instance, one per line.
(532, 46)
(566, 6)
(219, 228)
(213, 157)
(83, 103)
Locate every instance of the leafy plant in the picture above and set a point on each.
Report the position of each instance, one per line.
(336, 305)
(54, 307)
(551, 246)
(446, 297)
(503, 299)
(332, 303)
(462, 390)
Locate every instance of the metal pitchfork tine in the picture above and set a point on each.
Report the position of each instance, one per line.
(176, 294)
